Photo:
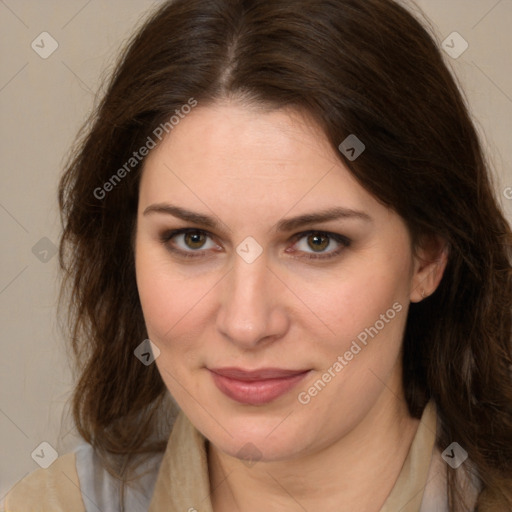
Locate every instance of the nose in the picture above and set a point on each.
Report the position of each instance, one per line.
(252, 310)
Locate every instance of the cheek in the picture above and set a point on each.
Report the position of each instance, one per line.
(171, 302)
(173, 307)
(366, 313)
(369, 302)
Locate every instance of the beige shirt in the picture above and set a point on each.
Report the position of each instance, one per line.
(180, 481)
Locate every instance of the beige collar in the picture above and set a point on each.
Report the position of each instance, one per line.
(183, 483)
(407, 494)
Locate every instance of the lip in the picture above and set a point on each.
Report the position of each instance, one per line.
(256, 387)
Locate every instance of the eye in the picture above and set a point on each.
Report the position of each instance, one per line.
(315, 244)
(188, 242)
(195, 243)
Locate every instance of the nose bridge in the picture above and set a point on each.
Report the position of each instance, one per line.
(249, 307)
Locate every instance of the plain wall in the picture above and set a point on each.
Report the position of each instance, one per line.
(43, 102)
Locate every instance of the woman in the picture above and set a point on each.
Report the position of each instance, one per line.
(290, 201)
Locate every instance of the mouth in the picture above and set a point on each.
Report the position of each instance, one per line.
(256, 387)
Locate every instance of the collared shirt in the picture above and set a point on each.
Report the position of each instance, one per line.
(178, 480)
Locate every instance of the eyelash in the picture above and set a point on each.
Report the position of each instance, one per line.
(344, 242)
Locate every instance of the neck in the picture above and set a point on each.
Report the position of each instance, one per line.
(344, 476)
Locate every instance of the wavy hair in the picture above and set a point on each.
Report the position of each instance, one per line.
(365, 67)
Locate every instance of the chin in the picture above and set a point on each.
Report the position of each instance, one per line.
(259, 448)
(254, 437)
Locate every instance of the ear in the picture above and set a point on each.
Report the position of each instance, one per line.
(430, 260)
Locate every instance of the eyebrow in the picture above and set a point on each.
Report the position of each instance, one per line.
(283, 225)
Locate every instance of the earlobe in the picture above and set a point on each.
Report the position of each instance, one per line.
(430, 262)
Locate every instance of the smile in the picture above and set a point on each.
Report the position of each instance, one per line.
(256, 387)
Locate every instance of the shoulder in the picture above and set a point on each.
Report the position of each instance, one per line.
(55, 488)
(78, 481)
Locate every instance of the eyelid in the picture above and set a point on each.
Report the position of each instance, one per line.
(335, 236)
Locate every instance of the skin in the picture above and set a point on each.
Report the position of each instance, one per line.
(249, 168)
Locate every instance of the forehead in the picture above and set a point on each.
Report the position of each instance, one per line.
(235, 132)
(230, 156)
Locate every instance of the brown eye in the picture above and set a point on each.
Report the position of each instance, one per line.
(189, 243)
(194, 239)
(319, 245)
(318, 241)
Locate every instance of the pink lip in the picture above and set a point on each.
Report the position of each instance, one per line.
(258, 386)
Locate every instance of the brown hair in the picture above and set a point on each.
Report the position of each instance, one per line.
(364, 67)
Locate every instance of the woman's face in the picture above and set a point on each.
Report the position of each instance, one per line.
(259, 282)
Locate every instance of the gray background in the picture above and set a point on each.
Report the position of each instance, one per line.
(43, 102)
